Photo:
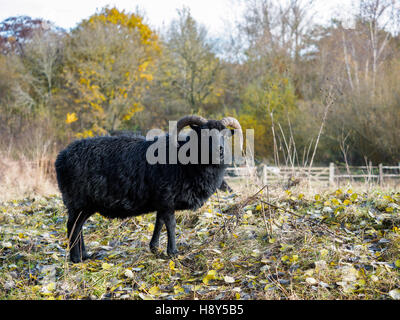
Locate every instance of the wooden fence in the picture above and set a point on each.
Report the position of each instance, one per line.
(331, 175)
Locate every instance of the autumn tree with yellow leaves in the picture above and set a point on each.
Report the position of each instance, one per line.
(108, 62)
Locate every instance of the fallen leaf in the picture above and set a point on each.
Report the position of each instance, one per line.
(211, 275)
(128, 273)
(229, 279)
(7, 245)
(106, 266)
(395, 294)
(155, 291)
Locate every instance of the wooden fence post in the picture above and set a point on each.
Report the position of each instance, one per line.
(381, 174)
(265, 175)
(331, 174)
(370, 172)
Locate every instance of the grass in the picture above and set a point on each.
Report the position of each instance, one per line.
(252, 244)
(23, 178)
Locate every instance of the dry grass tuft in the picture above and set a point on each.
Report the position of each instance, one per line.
(22, 178)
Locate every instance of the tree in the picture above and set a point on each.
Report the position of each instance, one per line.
(40, 68)
(15, 32)
(107, 68)
(359, 59)
(32, 60)
(7, 78)
(267, 104)
(195, 70)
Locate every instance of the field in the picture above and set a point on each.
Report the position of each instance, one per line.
(256, 243)
(314, 214)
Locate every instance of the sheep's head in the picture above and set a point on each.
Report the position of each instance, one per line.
(211, 135)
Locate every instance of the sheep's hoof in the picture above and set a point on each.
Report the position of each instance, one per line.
(172, 253)
(154, 249)
(78, 258)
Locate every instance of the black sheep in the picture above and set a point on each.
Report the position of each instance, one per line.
(111, 176)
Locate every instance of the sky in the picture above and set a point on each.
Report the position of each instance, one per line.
(211, 13)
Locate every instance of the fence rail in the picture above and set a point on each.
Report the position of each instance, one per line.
(331, 175)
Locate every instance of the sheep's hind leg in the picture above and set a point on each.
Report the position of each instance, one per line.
(155, 240)
(76, 244)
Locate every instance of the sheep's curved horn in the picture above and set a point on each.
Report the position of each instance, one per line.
(188, 120)
(231, 122)
(234, 123)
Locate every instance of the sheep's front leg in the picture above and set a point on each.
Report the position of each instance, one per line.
(155, 240)
(170, 223)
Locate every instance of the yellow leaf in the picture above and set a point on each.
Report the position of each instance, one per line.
(150, 227)
(324, 252)
(335, 201)
(285, 258)
(217, 265)
(51, 287)
(211, 275)
(346, 202)
(206, 280)
(178, 289)
(361, 282)
(71, 117)
(354, 197)
(155, 291)
(106, 266)
(317, 197)
(144, 66)
(148, 77)
(172, 265)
